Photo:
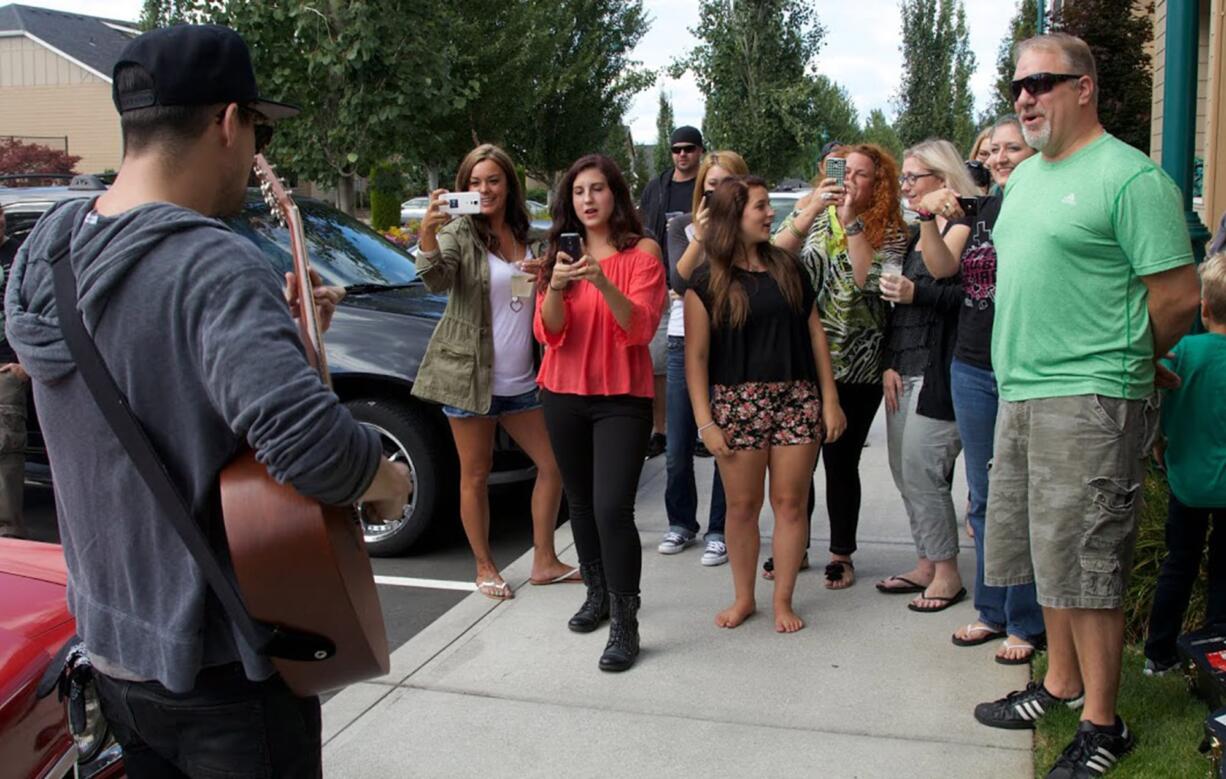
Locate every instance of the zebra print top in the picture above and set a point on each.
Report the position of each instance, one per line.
(854, 318)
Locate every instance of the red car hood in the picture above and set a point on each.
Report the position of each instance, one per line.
(32, 582)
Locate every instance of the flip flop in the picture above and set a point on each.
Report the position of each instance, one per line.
(835, 571)
(958, 597)
(768, 567)
(570, 577)
(495, 590)
(911, 587)
(1020, 660)
(988, 634)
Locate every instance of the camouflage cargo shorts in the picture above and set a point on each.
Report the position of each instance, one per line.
(1064, 494)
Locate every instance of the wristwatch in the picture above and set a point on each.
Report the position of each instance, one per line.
(924, 216)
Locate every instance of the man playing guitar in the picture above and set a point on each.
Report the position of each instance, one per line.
(193, 325)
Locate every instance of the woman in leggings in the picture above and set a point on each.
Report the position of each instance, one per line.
(596, 316)
(843, 233)
(754, 338)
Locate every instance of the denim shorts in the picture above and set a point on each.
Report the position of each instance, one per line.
(1064, 496)
(500, 405)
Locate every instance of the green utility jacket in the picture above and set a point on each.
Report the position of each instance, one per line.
(458, 367)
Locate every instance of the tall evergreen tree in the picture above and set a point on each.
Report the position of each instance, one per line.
(662, 159)
(878, 130)
(934, 99)
(1023, 25)
(756, 64)
(1117, 34)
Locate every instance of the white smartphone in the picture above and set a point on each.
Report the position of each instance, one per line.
(463, 203)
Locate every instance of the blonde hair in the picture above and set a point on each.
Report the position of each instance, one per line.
(1076, 54)
(980, 140)
(940, 157)
(1213, 285)
(726, 159)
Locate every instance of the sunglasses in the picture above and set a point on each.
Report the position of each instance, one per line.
(687, 148)
(1040, 83)
(263, 127)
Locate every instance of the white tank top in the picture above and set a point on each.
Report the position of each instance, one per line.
(512, 323)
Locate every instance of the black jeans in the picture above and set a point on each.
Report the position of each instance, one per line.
(841, 460)
(1185, 545)
(600, 442)
(228, 726)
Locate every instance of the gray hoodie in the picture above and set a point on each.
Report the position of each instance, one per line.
(192, 324)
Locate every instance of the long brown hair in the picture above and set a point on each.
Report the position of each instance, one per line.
(726, 159)
(625, 228)
(883, 218)
(722, 244)
(515, 213)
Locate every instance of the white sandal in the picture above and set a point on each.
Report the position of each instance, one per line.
(495, 590)
(988, 634)
(1015, 661)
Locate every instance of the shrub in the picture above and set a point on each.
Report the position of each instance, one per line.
(1150, 552)
(386, 193)
(539, 194)
(18, 157)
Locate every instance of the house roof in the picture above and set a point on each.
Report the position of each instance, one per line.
(89, 40)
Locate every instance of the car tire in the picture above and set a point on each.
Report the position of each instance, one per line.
(411, 434)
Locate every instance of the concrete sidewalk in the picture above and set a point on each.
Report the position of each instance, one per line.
(867, 689)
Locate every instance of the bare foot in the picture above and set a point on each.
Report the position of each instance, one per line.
(976, 633)
(939, 588)
(786, 620)
(555, 573)
(735, 614)
(1015, 649)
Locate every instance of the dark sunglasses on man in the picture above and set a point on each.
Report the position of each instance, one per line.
(263, 127)
(1041, 83)
(684, 148)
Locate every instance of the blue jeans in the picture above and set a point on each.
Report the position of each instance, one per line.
(1013, 609)
(680, 492)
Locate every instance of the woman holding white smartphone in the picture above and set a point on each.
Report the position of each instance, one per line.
(480, 363)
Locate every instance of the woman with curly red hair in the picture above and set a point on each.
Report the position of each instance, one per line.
(844, 231)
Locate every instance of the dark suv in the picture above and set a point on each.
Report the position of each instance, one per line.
(375, 345)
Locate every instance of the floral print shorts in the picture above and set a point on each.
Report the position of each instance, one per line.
(758, 414)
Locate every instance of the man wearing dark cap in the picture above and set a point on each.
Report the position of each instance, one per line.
(669, 194)
(192, 323)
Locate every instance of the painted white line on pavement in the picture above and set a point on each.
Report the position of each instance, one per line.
(433, 584)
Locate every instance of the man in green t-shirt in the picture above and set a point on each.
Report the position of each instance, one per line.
(1094, 279)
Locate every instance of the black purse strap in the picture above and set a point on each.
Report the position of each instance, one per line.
(270, 640)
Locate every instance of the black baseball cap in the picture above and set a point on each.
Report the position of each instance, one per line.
(194, 64)
(686, 134)
(830, 147)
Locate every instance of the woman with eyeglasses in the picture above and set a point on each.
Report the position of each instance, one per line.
(480, 363)
(920, 427)
(762, 387)
(685, 236)
(596, 316)
(1011, 613)
(843, 232)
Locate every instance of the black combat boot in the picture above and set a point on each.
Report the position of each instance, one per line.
(623, 646)
(596, 608)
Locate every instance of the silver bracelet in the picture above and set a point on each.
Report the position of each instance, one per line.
(855, 228)
(704, 427)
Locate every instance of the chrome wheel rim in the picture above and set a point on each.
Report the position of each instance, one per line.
(397, 452)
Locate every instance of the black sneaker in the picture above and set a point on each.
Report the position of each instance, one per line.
(1093, 752)
(1018, 710)
(656, 446)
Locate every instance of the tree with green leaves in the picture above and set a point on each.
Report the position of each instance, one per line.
(363, 78)
(665, 125)
(934, 99)
(1117, 33)
(163, 13)
(1023, 25)
(878, 130)
(756, 64)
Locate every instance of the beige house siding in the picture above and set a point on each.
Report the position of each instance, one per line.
(1215, 129)
(45, 94)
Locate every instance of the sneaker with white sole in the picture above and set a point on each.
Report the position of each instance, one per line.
(1154, 668)
(1093, 752)
(716, 553)
(675, 542)
(1019, 710)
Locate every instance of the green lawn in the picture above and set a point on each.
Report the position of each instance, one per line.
(1166, 718)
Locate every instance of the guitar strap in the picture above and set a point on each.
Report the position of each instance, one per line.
(269, 640)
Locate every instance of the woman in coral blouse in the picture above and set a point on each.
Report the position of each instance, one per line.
(596, 315)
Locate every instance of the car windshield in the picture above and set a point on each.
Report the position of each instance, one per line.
(344, 251)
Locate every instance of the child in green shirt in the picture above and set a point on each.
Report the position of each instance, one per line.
(1194, 453)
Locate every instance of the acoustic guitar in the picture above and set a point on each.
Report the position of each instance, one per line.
(300, 564)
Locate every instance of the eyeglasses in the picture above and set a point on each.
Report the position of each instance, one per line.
(263, 127)
(685, 148)
(909, 179)
(1040, 83)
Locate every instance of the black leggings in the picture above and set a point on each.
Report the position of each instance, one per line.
(600, 442)
(842, 463)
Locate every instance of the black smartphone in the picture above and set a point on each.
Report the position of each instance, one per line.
(969, 205)
(570, 243)
(706, 197)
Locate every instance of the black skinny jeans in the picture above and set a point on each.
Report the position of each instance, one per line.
(600, 442)
(1185, 546)
(226, 726)
(841, 460)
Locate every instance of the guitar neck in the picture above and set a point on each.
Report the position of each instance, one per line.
(308, 318)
